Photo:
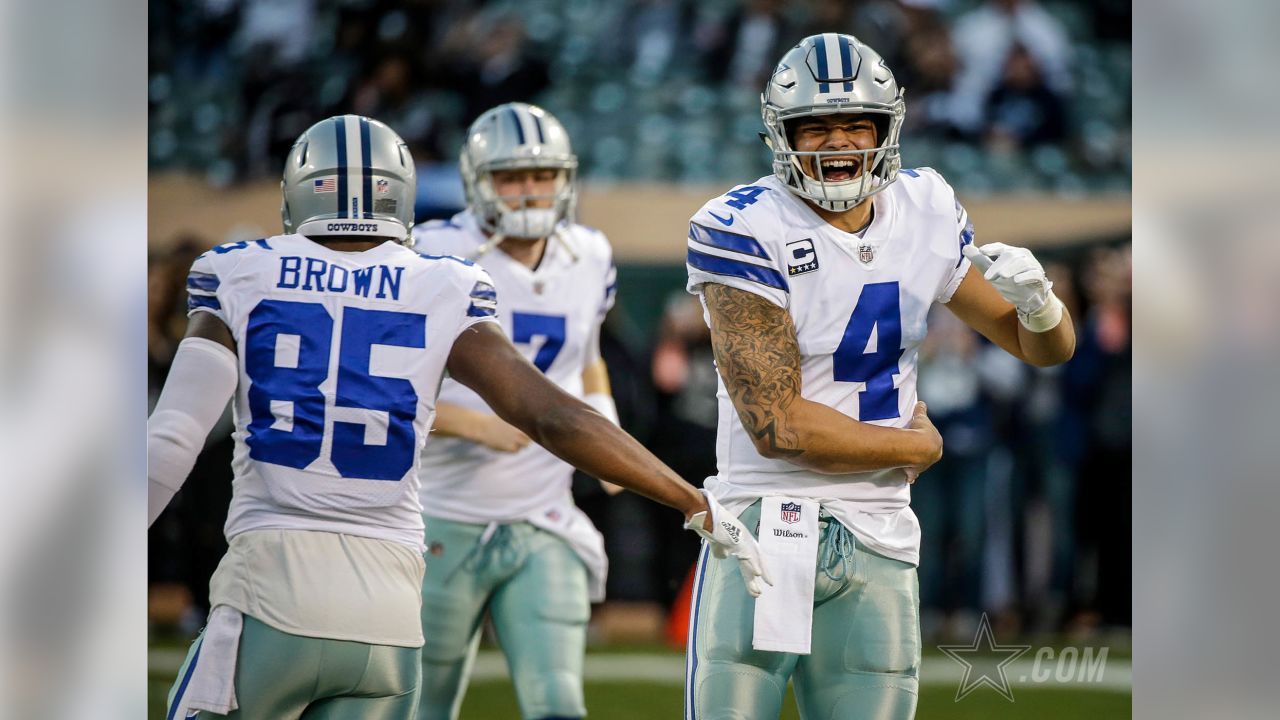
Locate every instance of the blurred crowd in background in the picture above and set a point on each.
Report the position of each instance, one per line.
(1027, 517)
(1026, 95)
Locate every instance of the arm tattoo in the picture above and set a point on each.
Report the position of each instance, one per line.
(759, 359)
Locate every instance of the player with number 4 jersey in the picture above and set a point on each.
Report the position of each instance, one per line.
(817, 282)
(331, 342)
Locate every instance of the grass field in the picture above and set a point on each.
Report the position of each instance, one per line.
(658, 693)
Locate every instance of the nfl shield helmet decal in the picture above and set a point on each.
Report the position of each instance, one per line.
(791, 513)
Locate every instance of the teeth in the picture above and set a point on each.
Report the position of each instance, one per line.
(837, 163)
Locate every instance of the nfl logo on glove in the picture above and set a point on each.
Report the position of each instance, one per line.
(791, 513)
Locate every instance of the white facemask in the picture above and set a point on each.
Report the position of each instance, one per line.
(527, 222)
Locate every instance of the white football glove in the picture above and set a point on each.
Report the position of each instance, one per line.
(1020, 279)
(730, 537)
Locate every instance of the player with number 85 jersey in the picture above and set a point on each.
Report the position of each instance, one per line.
(331, 342)
(334, 403)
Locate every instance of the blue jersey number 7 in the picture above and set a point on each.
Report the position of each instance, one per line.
(286, 377)
(526, 326)
(878, 309)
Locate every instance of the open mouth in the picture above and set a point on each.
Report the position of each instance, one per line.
(840, 169)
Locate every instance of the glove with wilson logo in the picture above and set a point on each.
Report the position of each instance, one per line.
(728, 536)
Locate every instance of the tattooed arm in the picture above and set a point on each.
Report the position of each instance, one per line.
(759, 360)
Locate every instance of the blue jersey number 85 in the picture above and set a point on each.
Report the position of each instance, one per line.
(279, 380)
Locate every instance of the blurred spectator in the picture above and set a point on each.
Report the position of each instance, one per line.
(685, 381)
(1022, 111)
(1058, 433)
(388, 93)
(167, 306)
(646, 36)
(987, 36)
(740, 50)
(930, 81)
(948, 499)
(488, 61)
(1103, 363)
(889, 26)
(278, 32)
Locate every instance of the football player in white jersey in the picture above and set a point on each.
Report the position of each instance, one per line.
(332, 340)
(816, 281)
(503, 534)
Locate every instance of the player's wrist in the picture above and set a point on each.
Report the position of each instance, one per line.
(698, 513)
(1044, 318)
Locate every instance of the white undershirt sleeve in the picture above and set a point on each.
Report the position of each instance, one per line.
(201, 381)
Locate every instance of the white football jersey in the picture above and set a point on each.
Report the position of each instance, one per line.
(341, 356)
(553, 315)
(859, 303)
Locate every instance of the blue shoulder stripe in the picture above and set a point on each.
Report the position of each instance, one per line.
(717, 265)
(197, 280)
(202, 301)
(484, 300)
(966, 237)
(722, 240)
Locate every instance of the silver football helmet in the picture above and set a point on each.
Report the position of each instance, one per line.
(518, 136)
(825, 74)
(349, 175)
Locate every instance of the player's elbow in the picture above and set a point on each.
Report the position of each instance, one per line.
(1056, 355)
(557, 423)
(773, 438)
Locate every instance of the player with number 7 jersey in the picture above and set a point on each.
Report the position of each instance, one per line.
(331, 342)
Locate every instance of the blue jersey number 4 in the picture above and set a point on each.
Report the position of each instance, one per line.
(287, 348)
(743, 196)
(877, 310)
